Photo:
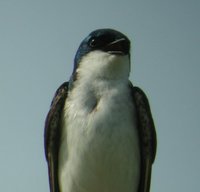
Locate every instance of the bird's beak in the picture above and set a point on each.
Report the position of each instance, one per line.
(118, 47)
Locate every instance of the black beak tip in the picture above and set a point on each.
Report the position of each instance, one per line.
(118, 47)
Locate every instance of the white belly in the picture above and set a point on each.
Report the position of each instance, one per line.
(99, 148)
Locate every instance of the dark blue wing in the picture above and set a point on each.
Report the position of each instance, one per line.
(52, 135)
(147, 136)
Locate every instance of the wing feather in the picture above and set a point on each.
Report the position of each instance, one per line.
(147, 133)
(52, 135)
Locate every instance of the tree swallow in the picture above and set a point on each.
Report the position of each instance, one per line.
(99, 132)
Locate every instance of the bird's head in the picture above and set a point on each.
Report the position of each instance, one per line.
(105, 54)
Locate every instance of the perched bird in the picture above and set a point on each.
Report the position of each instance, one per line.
(99, 132)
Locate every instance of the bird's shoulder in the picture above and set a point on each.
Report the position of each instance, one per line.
(145, 120)
(54, 115)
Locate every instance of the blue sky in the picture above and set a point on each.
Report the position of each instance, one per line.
(38, 41)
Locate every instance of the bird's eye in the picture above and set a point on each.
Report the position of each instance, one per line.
(94, 42)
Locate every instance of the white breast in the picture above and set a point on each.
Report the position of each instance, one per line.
(99, 146)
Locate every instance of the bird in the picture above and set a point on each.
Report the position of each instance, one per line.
(99, 133)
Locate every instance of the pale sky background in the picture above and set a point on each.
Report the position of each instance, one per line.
(38, 41)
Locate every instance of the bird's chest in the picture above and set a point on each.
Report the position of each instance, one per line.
(100, 144)
(99, 120)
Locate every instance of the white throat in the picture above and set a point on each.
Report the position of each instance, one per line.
(99, 64)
